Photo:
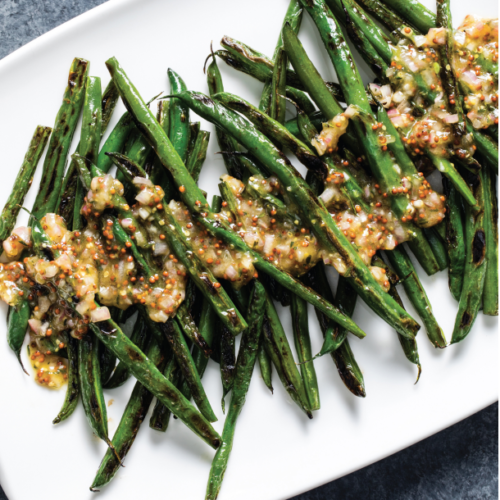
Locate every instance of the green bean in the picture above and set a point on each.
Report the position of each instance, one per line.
(194, 130)
(23, 181)
(116, 141)
(73, 390)
(159, 176)
(301, 100)
(414, 290)
(345, 299)
(132, 418)
(309, 76)
(448, 170)
(91, 120)
(122, 371)
(414, 12)
(89, 139)
(410, 347)
(339, 53)
(138, 151)
(198, 271)
(190, 299)
(91, 388)
(195, 161)
(278, 87)
(383, 15)
(245, 363)
(376, 37)
(277, 292)
(241, 297)
(437, 247)
(490, 293)
(475, 263)
(107, 360)
(446, 73)
(486, 146)
(278, 349)
(300, 321)
(336, 342)
(178, 116)
(191, 193)
(440, 230)
(207, 326)
(17, 325)
(190, 330)
(293, 16)
(243, 58)
(492, 132)
(173, 334)
(110, 334)
(107, 363)
(60, 140)
(360, 33)
(455, 245)
(161, 414)
(317, 118)
(237, 165)
(266, 368)
(227, 363)
(110, 98)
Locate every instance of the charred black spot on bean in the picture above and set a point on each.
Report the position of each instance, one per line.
(133, 354)
(72, 79)
(47, 252)
(106, 327)
(204, 99)
(230, 61)
(466, 319)
(332, 45)
(314, 163)
(478, 247)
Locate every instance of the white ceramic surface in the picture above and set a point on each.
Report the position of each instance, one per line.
(277, 451)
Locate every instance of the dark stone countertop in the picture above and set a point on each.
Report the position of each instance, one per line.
(458, 463)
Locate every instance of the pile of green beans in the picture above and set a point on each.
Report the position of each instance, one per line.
(168, 360)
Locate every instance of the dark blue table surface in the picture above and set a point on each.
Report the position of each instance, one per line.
(460, 462)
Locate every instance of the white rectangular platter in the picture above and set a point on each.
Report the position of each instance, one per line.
(277, 451)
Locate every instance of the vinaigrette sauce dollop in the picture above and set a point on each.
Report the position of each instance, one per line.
(428, 125)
